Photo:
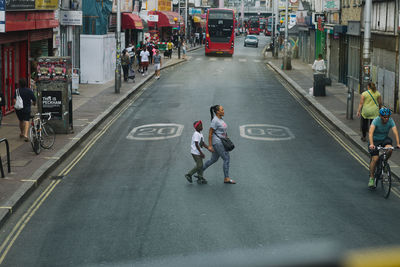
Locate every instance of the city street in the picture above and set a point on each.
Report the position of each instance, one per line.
(126, 200)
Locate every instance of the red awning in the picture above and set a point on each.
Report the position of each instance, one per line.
(165, 19)
(131, 21)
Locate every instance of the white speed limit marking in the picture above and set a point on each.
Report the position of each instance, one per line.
(157, 131)
(266, 132)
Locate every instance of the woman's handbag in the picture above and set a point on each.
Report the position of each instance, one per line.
(19, 104)
(228, 144)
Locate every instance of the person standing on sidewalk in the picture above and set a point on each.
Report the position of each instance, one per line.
(379, 136)
(368, 109)
(157, 64)
(125, 61)
(170, 45)
(197, 154)
(24, 114)
(319, 65)
(218, 129)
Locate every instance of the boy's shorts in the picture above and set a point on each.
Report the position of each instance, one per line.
(157, 66)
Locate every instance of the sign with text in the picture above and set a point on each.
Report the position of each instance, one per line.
(2, 16)
(71, 18)
(164, 5)
(52, 102)
(20, 5)
(46, 4)
(126, 6)
(152, 18)
(331, 5)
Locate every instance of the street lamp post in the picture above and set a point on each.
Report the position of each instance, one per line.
(118, 50)
(275, 36)
(287, 64)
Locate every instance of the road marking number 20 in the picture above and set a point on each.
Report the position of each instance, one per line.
(266, 132)
(157, 131)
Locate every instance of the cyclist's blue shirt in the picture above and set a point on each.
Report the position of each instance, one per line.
(382, 130)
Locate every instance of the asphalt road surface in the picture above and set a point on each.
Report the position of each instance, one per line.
(127, 201)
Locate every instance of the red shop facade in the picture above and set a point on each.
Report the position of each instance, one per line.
(29, 34)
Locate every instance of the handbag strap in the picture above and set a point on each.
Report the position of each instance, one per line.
(372, 98)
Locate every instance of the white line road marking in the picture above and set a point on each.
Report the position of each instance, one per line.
(257, 60)
(213, 59)
(228, 59)
(242, 60)
(199, 58)
(266, 132)
(157, 131)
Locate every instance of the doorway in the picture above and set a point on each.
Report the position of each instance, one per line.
(8, 72)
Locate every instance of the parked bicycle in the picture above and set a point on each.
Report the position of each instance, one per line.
(383, 175)
(41, 134)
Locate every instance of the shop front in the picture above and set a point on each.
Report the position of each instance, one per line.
(133, 26)
(28, 35)
(168, 21)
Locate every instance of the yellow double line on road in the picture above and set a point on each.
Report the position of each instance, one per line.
(325, 126)
(16, 231)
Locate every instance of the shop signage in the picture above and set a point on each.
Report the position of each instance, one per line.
(126, 6)
(52, 102)
(46, 4)
(2, 16)
(152, 18)
(193, 11)
(20, 4)
(164, 5)
(331, 5)
(71, 18)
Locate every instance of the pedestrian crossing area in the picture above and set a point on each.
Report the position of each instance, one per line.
(227, 59)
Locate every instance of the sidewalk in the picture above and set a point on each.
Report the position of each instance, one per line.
(333, 106)
(90, 108)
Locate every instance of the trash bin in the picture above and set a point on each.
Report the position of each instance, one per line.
(54, 89)
(319, 84)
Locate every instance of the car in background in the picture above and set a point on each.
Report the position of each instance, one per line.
(251, 40)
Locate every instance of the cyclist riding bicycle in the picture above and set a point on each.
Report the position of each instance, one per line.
(378, 136)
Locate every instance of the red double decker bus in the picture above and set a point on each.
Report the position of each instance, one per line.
(220, 31)
(254, 25)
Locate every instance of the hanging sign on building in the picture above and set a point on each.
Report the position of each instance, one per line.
(71, 18)
(2, 16)
(331, 5)
(126, 6)
(152, 18)
(20, 4)
(46, 4)
(164, 5)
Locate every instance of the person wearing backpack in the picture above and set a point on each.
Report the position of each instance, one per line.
(23, 114)
(368, 109)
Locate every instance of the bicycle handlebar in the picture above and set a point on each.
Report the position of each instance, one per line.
(44, 114)
(386, 148)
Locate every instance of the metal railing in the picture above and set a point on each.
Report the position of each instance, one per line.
(8, 158)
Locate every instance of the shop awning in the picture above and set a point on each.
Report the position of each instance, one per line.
(131, 21)
(165, 19)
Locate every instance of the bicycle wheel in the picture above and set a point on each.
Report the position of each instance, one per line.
(48, 136)
(386, 180)
(35, 142)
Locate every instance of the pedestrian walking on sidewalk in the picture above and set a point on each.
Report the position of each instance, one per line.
(368, 109)
(218, 130)
(144, 57)
(157, 63)
(24, 114)
(184, 49)
(2, 104)
(197, 154)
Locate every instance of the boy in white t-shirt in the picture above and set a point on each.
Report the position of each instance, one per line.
(197, 154)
